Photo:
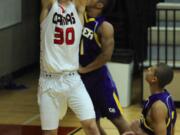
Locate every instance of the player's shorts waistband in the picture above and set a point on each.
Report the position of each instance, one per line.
(57, 75)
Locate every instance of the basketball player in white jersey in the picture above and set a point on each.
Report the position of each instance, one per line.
(60, 85)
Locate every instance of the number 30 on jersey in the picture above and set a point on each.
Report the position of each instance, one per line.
(62, 36)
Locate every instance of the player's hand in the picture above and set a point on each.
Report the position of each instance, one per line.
(135, 126)
(82, 70)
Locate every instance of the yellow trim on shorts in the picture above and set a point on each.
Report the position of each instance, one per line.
(118, 103)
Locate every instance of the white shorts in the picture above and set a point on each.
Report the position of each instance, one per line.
(56, 93)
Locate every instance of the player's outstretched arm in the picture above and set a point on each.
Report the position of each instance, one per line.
(81, 4)
(106, 35)
(84, 2)
(46, 6)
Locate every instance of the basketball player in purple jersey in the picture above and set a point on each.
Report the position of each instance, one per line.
(96, 49)
(60, 85)
(159, 112)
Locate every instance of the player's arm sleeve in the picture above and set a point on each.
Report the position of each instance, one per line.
(158, 116)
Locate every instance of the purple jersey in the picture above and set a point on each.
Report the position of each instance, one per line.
(90, 46)
(99, 83)
(166, 98)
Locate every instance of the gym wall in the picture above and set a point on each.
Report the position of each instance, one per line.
(19, 43)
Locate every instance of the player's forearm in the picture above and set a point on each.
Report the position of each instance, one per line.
(97, 63)
(80, 4)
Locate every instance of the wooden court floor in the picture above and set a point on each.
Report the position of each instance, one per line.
(19, 107)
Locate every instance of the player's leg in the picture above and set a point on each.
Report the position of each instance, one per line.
(112, 110)
(94, 97)
(101, 130)
(90, 127)
(117, 118)
(48, 115)
(52, 104)
(121, 124)
(110, 106)
(51, 110)
(80, 102)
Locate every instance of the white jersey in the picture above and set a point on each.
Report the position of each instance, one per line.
(60, 38)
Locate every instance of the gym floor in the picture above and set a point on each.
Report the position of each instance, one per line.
(19, 114)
